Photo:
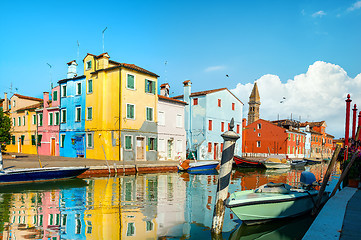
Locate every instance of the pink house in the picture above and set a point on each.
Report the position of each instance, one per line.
(48, 127)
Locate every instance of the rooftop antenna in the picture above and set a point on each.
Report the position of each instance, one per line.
(51, 79)
(103, 37)
(165, 71)
(11, 89)
(78, 50)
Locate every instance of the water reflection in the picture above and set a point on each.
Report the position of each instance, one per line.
(149, 206)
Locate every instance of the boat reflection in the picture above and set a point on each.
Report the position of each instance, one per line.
(284, 229)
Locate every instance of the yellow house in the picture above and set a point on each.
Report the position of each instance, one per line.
(121, 106)
(23, 117)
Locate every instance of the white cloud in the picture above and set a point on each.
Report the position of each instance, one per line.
(319, 14)
(214, 68)
(317, 95)
(355, 6)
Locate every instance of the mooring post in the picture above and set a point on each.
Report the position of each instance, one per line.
(230, 138)
(347, 126)
(354, 122)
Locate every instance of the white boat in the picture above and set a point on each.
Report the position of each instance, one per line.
(277, 161)
(275, 201)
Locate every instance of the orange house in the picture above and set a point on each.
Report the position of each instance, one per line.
(262, 138)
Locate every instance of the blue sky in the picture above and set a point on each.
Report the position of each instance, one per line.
(200, 40)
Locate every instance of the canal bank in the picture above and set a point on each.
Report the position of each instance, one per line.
(96, 167)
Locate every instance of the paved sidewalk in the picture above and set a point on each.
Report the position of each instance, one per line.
(340, 218)
(31, 161)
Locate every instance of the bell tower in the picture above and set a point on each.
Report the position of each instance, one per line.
(254, 103)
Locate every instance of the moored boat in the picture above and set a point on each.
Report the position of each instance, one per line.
(198, 166)
(277, 161)
(274, 201)
(313, 160)
(245, 162)
(298, 163)
(20, 176)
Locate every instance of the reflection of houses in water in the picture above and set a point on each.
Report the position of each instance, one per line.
(171, 204)
(33, 215)
(72, 207)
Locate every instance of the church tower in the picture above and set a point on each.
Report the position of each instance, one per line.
(254, 103)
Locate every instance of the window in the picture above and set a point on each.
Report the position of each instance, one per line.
(34, 119)
(89, 227)
(78, 89)
(219, 102)
(77, 114)
(39, 139)
(179, 121)
(50, 120)
(179, 146)
(152, 144)
(259, 126)
(13, 140)
(238, 128)
(149, 114)
(19, 121)
(259, 134)
(23, 120)
(33, 140)
(89, 115)
(161, 145)
(130, 111)
(89, 140)
(55, 96)
(22, 139)
(40, 120)
(195, 101)
(63, 90)
(149, 225)
(210, 125)
(130, 229)
(233, 106)
(14, 122)
(14, 103)
(90, 86)
(130, 81)
(149, 86)
(222, 126)
(88, 65)
(258, 143)
(57, 118)
(62, 140)
(209, 147)
(128, 142)
(161, 118)
(63, 115)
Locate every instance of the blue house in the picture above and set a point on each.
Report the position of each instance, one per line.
(72, 114)
(207, 116)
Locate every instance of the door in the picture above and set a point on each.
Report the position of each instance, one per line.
(170, 149)
(79, 146)
(215, 151)
(52, 150)
(140, 148)
(19, 144)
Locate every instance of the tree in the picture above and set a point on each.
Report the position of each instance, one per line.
(5, 126)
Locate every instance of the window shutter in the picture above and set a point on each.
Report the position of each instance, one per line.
(153, 87)
(146, 86)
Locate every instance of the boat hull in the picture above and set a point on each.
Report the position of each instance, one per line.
(20, 176)
(255, 208)
(275, 165)
(242, 162)
(202, 166)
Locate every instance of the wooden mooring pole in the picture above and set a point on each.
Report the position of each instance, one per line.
(230, 138)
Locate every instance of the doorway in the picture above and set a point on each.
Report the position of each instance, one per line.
(215, 151)
(52, 147)
(140, 148)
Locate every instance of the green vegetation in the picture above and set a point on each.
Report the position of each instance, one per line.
(5, 126)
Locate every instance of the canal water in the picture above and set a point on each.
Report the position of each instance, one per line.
(147, 206)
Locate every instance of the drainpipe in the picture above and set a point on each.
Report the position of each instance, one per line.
(354, 121)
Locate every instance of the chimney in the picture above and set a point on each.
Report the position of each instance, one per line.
(164, 89)
(6, 103)
(71, 69)
(187, 91)
(46, 99)
(103, 61)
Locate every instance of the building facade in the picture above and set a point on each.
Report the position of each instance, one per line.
(121, 107)
(24, 127)
(48, 132)
(171, 131)
(207, 117)
(72, 114)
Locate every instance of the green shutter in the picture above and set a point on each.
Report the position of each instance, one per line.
(153, 87)
(33, 140)
(146, 86)
(39, 139)
(130, 81)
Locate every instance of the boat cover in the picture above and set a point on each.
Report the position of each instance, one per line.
(271, 187)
